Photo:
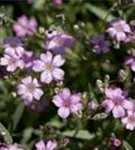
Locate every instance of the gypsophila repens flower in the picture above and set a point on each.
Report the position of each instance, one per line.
(29, 89)
(24, 26)
(67, 102)
(99, 44)
(58, 42)
(50, 145)
(129, 120)
(118, 29)
(49, 67)
(116, 102)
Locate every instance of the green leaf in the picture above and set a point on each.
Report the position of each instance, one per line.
(99, 12)
(17, 115)
(127, 146)
(81, 134)
(5, 134)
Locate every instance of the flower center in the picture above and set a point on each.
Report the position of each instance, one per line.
(31, 88)
(48, 67)
(118, 28)
(67, 103)
(13, 44)
(118, 102)
(60, 42)
(12, 61)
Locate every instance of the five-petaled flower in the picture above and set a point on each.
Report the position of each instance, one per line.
(50, 145)
(116, 102)
(67, 102)
(29, 89)
(49, 66)
(129, 120)
(119, 29)
(25, 26)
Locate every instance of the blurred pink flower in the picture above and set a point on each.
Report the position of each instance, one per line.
(49, 67)
(29, 89)
(50, 145)
(25, 26)
(116, 102)
(30, 1)
(119, 29)
(129, 120)
(67, 102)
(57, 2)
(99, 44)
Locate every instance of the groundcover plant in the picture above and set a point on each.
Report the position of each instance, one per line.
(67, 74)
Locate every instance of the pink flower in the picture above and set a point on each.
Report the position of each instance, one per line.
(13, 45)
(11, 60)
(49, 66)
(12, 54)
(99, 44)
(116, 102)
(114, 141)
(119, 29)
(29, 89)
(129, 120)
(67, 102)
(57, 2)
(50, 145)
(30, 1)
(13, 147)
(25, 26)
(57, 42)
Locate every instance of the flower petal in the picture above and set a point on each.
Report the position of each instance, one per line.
(63, 112)
(46, 77)
(118, 112)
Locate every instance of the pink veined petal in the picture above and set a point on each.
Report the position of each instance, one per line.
(28, 96)
(121, 36)
(46, 77)
(47, 58)
(58, 74)
(38, 66)
(112, 31)
(53, 43)
(130, 126)
(75, 98)
(118, 112)
(4, 60)
(58, 61)
(20, 51)
(50, 145)
(65, 94)
(108, 105)
(27, 80)
(38, 93)
(57, 101)
(63, 112)
(10, 51)
(126, 28)
(40, 145)
(76, 107)
(129, 105)
(21, 89)
(124, 120)
(35, 82)
(133, 66)
(11, 68)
